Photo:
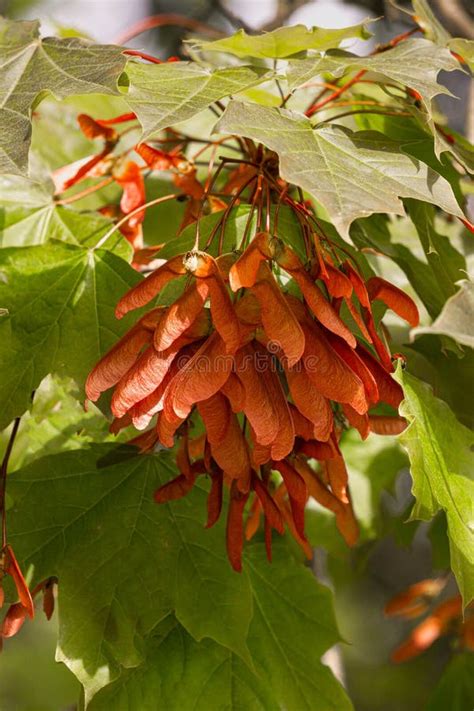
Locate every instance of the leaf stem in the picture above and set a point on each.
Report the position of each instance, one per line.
(143, 55)
(335, 94)
(363, 111)
(209, 185)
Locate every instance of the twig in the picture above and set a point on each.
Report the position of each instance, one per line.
(3, 478)
(143, 55)
(362, 111)
(335, 94)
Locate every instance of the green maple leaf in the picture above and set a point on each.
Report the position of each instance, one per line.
(352, 174)
(31, 67)
(283, 42)
(60, 301)
(291, 628)
(29, 215)
(166, 94)
(180, 674)
(415, 63)
(441, 456)
(125, 563)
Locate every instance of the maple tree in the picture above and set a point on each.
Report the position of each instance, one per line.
(203, 345)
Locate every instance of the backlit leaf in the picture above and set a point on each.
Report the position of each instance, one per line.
(61, 301)
(283, 42)
(32, 67)
(442, 467)
(415, 63)
(29, 216)
(288, 634)
(352, 174)
(124, 563)
(165, 94)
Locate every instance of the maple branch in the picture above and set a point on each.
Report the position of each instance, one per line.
(3, 477)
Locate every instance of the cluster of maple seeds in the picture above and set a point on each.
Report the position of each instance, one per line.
(445, 618)
(117, 167)
(19, 611)
(274, 378)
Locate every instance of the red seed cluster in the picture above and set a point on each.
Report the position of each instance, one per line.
(272, 376)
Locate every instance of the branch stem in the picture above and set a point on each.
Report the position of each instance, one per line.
(3, 478)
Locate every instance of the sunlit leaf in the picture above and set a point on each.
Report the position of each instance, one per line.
(165, 94)
(441, 452)
(415, 63)
(56, 422)
(288, 634)
(61, 301)
(32, 68)
(30, 216)
(283, 42)
(124, 562)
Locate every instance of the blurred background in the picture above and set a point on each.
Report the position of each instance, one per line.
(364, 580)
